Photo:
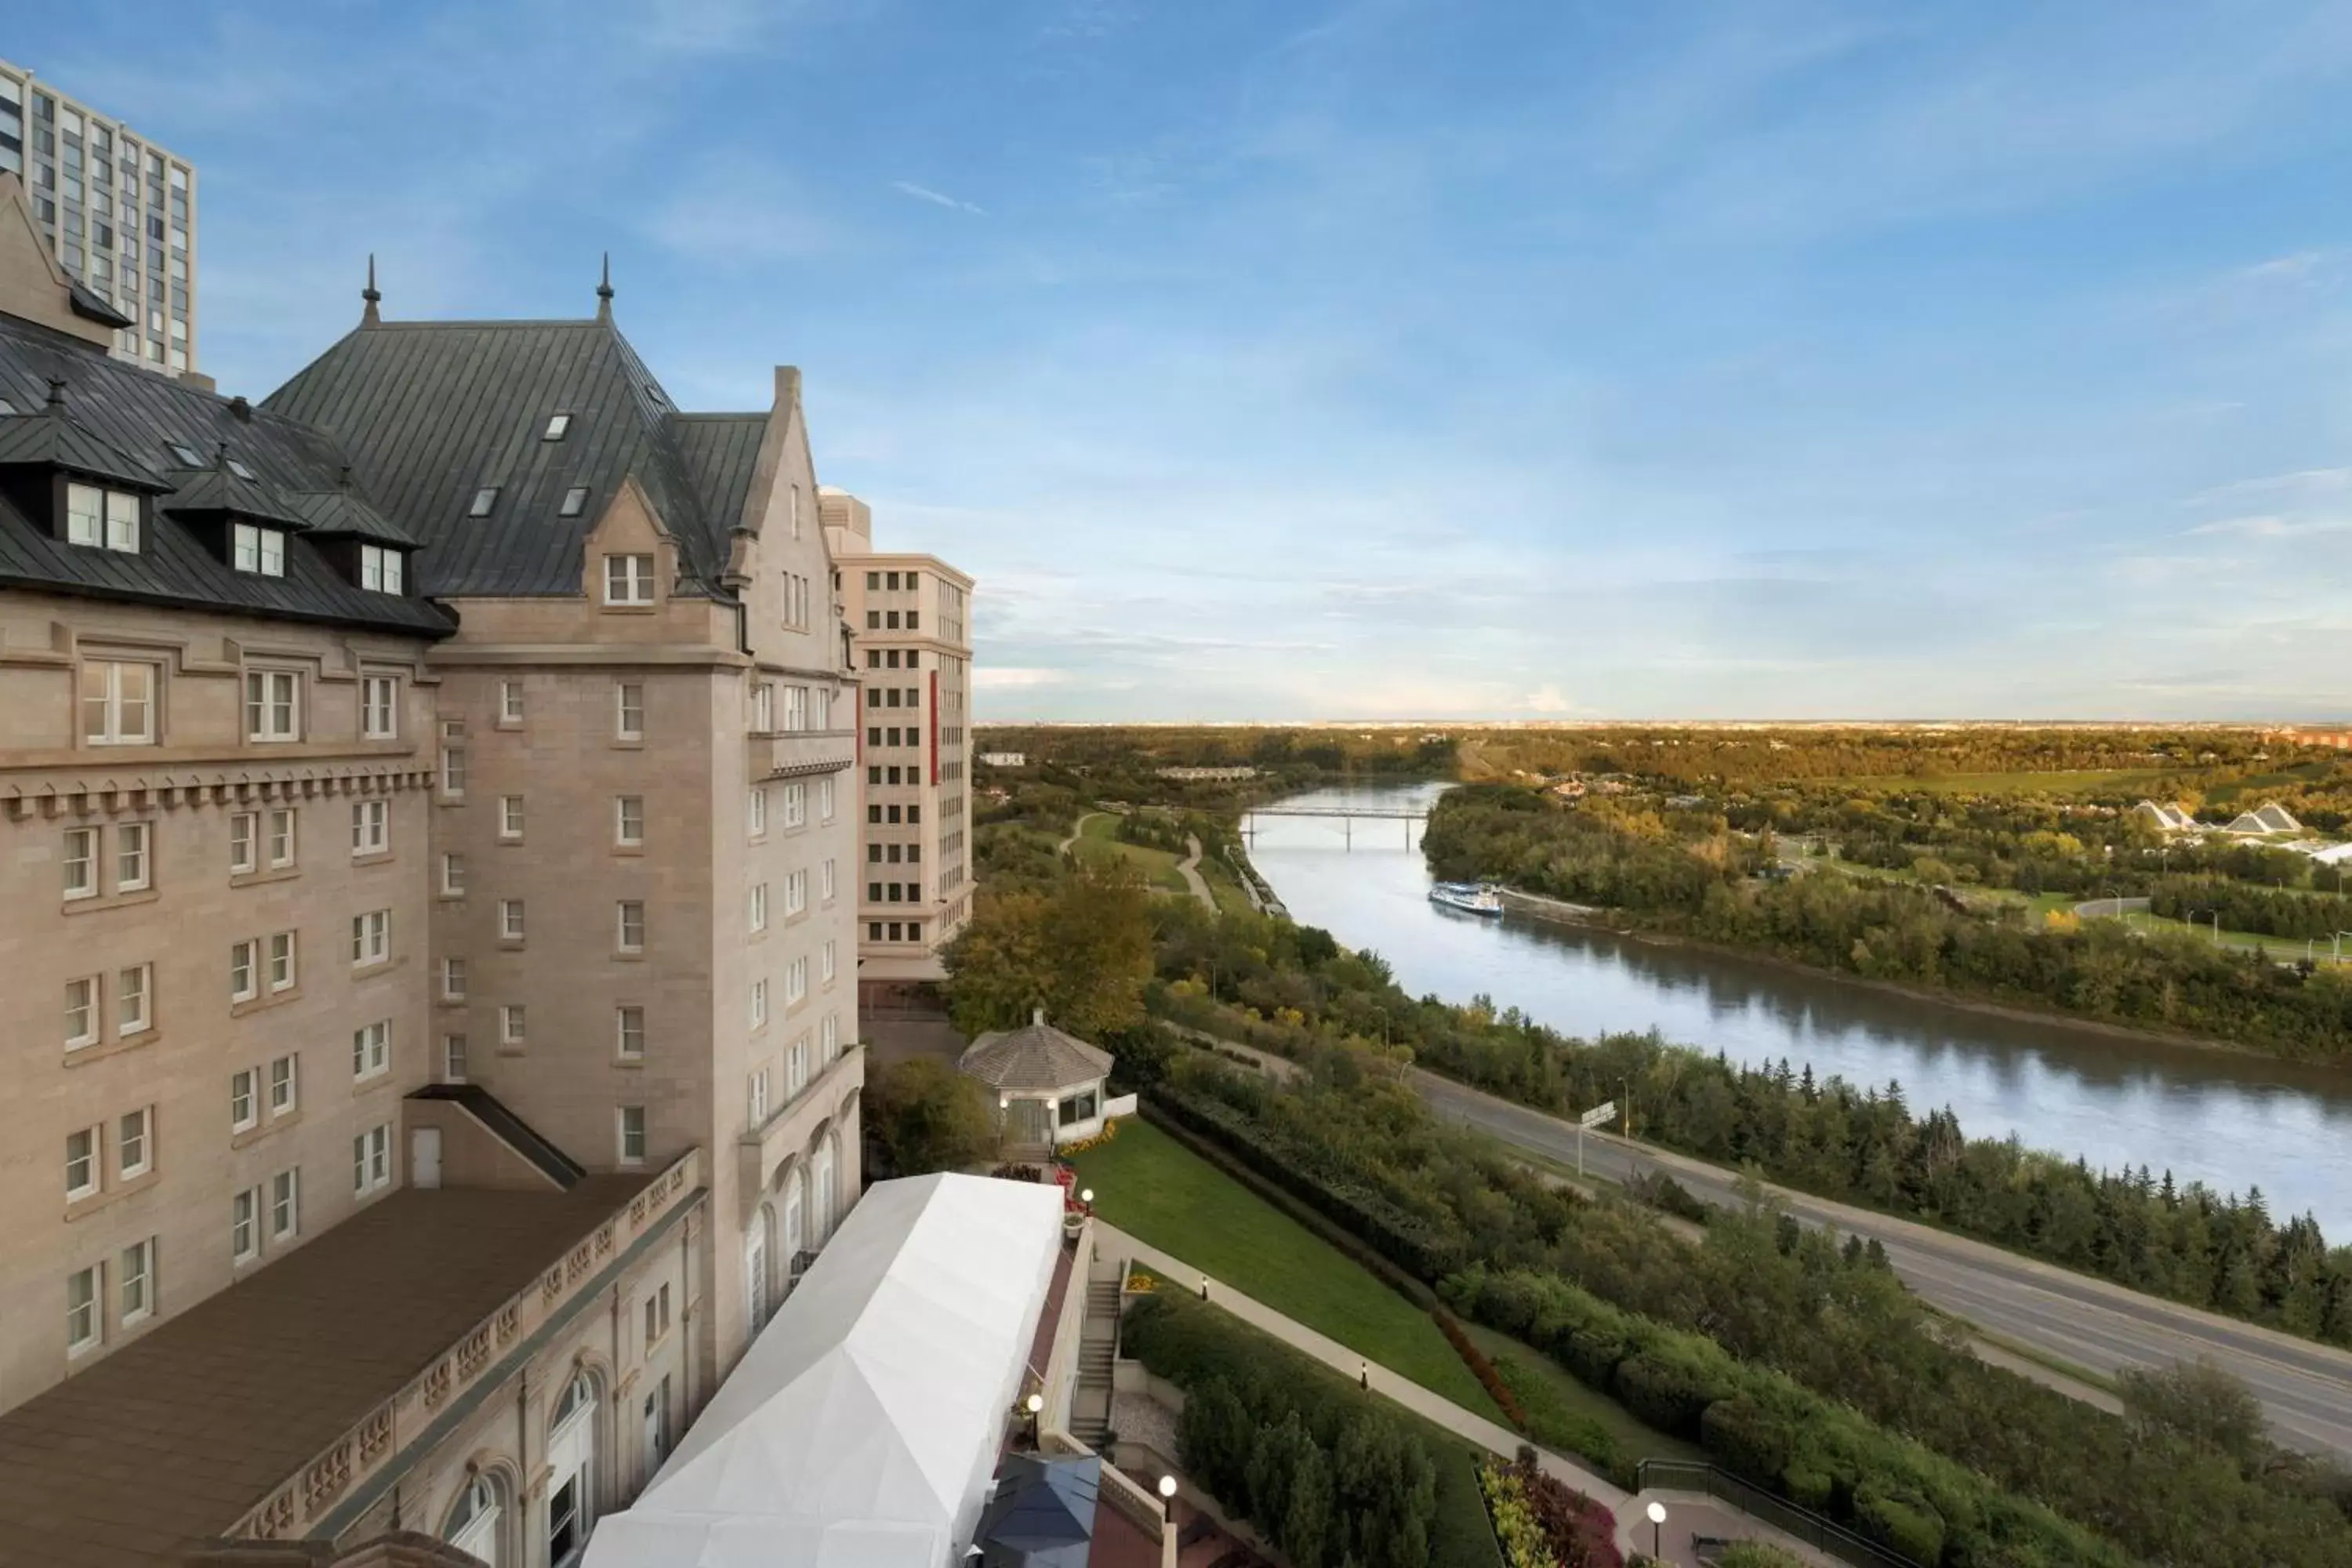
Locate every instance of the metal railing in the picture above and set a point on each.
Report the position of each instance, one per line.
(1822, 1534)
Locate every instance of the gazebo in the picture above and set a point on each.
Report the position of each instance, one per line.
(1048, 1084)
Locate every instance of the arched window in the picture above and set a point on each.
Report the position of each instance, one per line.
(572, 1471)
(478, 1523)
(796, 1218)
(755, 1268)
(823, 1217)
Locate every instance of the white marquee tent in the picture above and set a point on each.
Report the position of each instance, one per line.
(861, 1429)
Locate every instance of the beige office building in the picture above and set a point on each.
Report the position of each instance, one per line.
(910, 620)
(116, 211)
(429, 811)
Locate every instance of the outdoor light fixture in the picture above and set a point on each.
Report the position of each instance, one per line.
(1167, 1486)
(1657, 1512)
(1086, 1195)
(1033, 1405)
(1037, 1403)
(1364, 1374)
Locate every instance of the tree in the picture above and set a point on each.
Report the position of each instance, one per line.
(1081, 950)
(2199, 1402)
(929, 1116)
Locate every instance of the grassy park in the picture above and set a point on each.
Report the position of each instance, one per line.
(1098, 841)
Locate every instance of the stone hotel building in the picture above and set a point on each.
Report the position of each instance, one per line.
(429, 817)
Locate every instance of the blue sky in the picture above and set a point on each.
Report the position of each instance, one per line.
(1403, 358)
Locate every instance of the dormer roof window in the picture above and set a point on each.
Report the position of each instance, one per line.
(484, 499)
(257, 550)
(101, 519)
(186, 454)
(382, 569)
(240, 470)
(575, 501)
(557, 424)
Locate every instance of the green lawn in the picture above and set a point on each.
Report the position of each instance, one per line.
(1160, 1192)
(1224, 887)
(1098, 840)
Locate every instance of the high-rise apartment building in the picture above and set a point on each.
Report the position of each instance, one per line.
(116, 211)
(429, 808)
(909, 618)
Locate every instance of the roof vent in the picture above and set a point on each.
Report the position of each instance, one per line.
(241, 408)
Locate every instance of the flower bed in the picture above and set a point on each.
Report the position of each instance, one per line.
(1481, 1368)
(1546, 1523)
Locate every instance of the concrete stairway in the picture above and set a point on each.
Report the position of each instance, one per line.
(1097, 1344)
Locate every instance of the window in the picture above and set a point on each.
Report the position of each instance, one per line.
(242, 1112)
(380, 707)
(760, 906)
(102, 519)
(257, 550)
(796, 708)
(381, 570)
(629, 710)
(453, 1059)
(511, 817)
(137, 1273)
(629, 1032)
(245, 1226)
(372, 1048)
(829, 1035)
(284, 1087)
(633, 1134)
(827, 962)
(825, 880)
(796, 982)
(628, 579)
(371, 826)
(510, 701)
(81, 862)
(763, 707)
(130, 872)
(372, 1159)
(557, 424)
(272, 704)
(758, 1098)
(795, 893)
(757, 804)
(285, 1205)
(243, 971)
(510, 1022)
(759, 1004)
(795, 805)
(453, 876)
(81, 1012)
(629, 820)
(796, 1067)
(81, 1165)
(372, 938)
(510, 920)
(484, 499)
(824, 797)
(652, 1321)
(81, 1310)
(244, 834)
(132, 1145)
(118, 703)
(452, 772)
(235, 466)
(281, 838)
(575, 501)
(131, 990)
(453, 980)
(630, 921)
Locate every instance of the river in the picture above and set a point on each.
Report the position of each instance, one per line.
(2231, 1122)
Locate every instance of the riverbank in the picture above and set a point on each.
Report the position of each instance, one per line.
(1534, 906)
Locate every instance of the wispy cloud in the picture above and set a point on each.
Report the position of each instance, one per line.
(936, 198)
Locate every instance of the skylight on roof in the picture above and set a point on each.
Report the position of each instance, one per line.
(484, 499)
(575, 501)
(557, 424)
(186, 454)
(239, 469)
(7, 406)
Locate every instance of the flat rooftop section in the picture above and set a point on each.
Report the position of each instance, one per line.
(174, 1436)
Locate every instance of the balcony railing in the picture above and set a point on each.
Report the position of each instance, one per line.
(295, 1506)
(801, 754)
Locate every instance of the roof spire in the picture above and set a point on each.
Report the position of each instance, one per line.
(371, 317)
(604, 291)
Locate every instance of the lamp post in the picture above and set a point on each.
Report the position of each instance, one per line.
(1036, 1405)
(1657, 1512)
(1166, 1491)
(1626, 1083)
(1364, 1375)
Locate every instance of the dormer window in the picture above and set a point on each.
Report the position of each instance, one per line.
(380, 569)
(484, 499)
(628, 579)
(261, 551)
(557, 424)
(102, 519)
(575, 501)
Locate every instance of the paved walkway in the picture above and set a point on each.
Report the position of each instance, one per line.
(1189, 870)
(1076, 828)
(1685, 1514)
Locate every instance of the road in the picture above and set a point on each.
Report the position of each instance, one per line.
(2305, 1388)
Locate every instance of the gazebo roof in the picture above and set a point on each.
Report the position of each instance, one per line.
(1037, 1056)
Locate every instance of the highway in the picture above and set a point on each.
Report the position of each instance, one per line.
(2305, 1388)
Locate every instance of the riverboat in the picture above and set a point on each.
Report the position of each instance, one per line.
(1470, 898)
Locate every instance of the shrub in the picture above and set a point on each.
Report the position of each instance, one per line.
(1551, 1421)
(1481, 1368)
(1742, 1438)
(1901, 1520)
(1668, 1397)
